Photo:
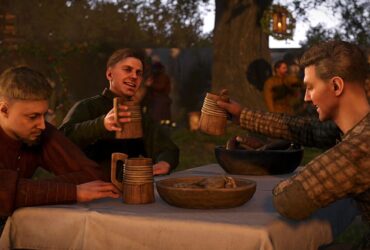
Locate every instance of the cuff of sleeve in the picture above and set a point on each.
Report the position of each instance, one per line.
(34, 193)
(100, 129)
(291, 200)
(172, 158)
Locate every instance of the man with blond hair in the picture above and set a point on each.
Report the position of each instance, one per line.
(27, 142)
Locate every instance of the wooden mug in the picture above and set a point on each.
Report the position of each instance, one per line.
(132, 129)
(137, 185)
(213, 119)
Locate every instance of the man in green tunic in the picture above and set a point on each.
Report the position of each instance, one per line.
(91, 124)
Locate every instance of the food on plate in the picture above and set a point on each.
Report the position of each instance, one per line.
(209, 183)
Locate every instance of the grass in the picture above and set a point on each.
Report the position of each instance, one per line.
(197, 148)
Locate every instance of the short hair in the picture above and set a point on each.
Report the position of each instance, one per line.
(337, 58)
(279, 63)
(121, 54)
(24, 83)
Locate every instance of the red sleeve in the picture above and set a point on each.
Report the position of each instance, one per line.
(66, 160)
(44, 192)
(59, 156)
(19, 192)
(8, 189)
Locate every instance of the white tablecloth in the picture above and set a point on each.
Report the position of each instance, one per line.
(111, 224)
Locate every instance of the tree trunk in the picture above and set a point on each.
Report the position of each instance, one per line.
(239, 43)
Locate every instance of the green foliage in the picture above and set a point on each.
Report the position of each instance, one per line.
(70, 40)
(197, 148)
(123, 23)
(354, 23)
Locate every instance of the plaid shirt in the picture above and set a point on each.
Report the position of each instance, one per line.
(342, 171)
(308, 131)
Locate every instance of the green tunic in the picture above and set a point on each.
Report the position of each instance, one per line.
(84, 125)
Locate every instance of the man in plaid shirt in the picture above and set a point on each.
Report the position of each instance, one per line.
(335, 73)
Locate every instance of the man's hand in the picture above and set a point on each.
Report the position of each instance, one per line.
(161, 167)
(96, 190)
(110, 122)
(233, 108)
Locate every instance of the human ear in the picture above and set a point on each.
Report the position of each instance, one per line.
(108, 74)
(4, 109)
(338, 85)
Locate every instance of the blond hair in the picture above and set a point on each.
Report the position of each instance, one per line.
(24, 83)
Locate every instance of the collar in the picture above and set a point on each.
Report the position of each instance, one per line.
(108, 94)
(10, 142)
(359, 126)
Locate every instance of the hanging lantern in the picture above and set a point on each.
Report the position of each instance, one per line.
(278, 22)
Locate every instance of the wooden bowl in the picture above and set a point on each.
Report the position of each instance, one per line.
(251, 162)
(205, 198)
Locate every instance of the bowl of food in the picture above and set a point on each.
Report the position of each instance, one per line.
(206, 192)
(250, 156)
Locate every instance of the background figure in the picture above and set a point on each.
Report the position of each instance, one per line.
(157, 100)
(282, 91)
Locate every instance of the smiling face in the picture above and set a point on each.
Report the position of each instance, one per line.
(321, 94)
(125, 76)
(23, 119)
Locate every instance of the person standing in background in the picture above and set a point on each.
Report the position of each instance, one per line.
(281, 89)
(157, 99)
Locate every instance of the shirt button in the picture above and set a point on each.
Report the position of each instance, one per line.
(19, 157)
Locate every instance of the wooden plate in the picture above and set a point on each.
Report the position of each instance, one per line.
(205, 198)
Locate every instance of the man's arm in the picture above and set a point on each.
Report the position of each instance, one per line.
(71, 167)
(66, 160)
(17, 192)
(81, 129)
(339, 172)
(307, 131)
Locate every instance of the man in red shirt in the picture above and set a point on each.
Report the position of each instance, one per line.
(27, 142)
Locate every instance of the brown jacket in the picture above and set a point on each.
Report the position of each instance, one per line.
(342, 171)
